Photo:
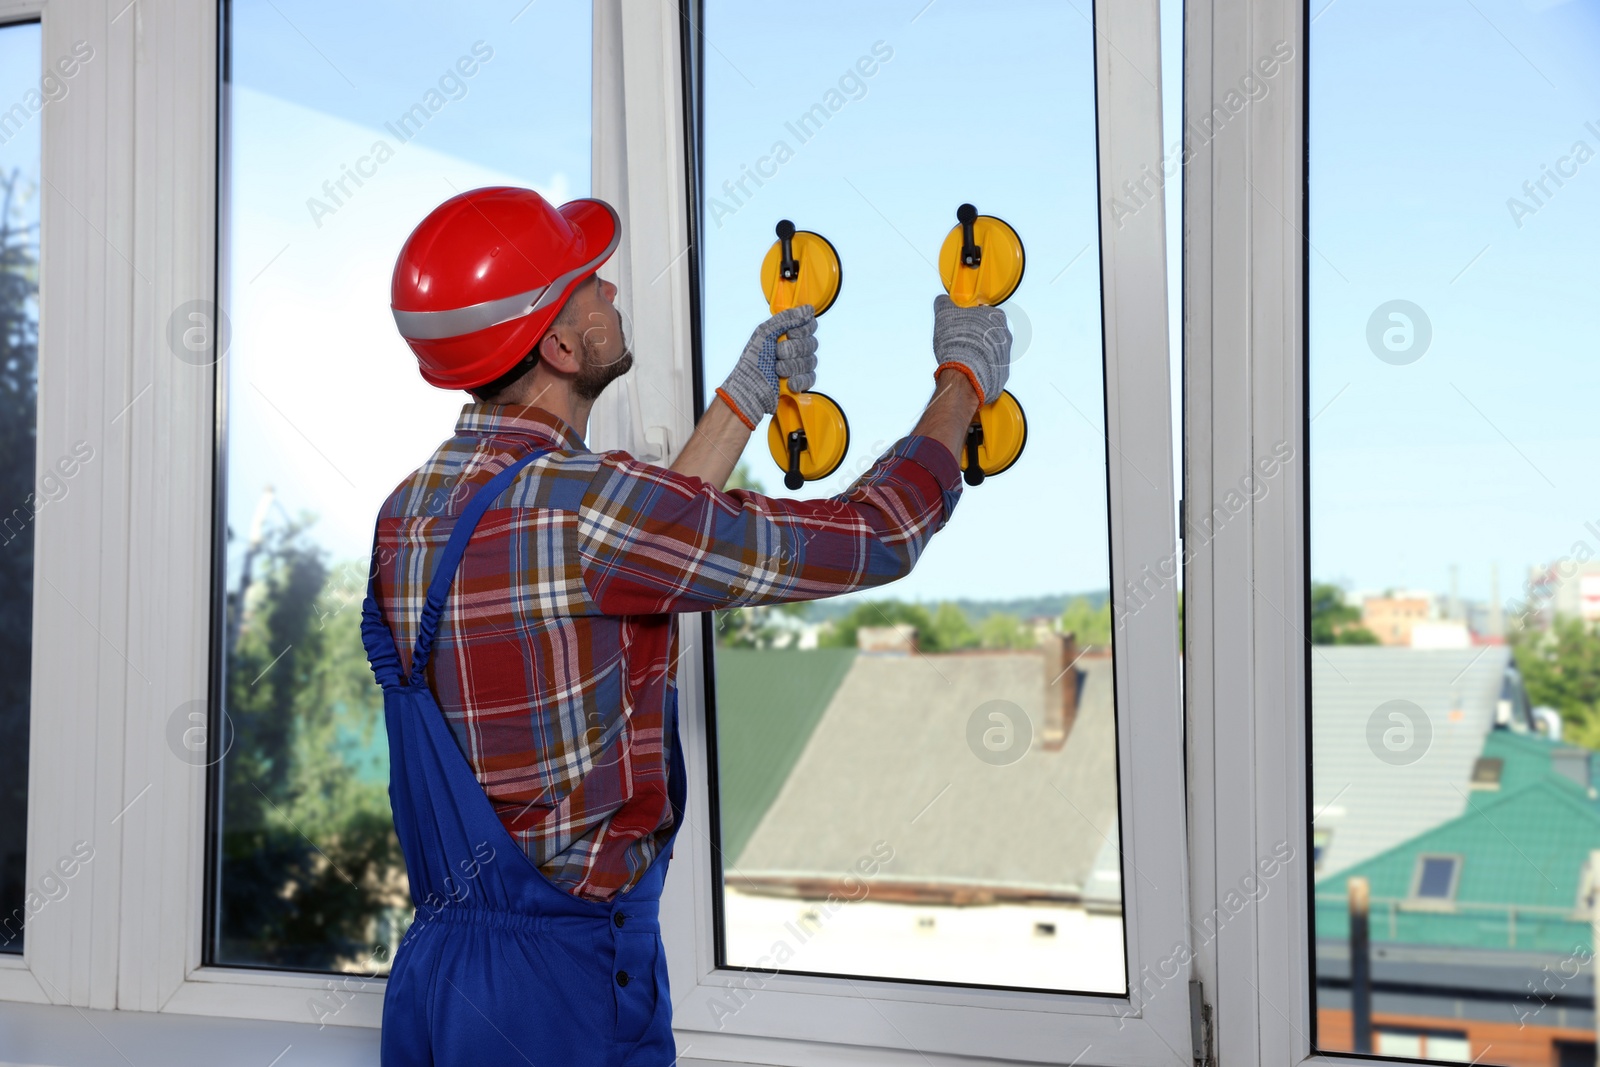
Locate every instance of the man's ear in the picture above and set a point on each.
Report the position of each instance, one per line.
(557, 355)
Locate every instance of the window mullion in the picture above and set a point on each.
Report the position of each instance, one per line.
(171, 180)
(1244, 601)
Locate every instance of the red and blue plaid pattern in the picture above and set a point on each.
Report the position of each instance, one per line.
(557, 652)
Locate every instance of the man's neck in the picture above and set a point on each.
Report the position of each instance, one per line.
(549, 392)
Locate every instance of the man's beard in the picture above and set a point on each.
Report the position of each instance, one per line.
(596, 373)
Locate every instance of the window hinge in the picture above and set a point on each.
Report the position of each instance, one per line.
(1181, 523)
(1199, 1024)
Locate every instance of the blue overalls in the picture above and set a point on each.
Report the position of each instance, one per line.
(501, 965)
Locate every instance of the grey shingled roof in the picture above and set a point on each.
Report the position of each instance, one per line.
(889, 761)
(1371, 805)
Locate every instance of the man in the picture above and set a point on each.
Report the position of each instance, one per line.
(521, 620)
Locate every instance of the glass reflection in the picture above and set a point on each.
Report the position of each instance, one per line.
(345, 130)
(1455, 585)
(22, 98)
(920, 782)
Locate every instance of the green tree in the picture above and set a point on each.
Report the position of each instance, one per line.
(1333, 622)
(1001, 630)
(1561, 669)
(311, 871)
(1092, 625)
(951, 628)
(842, 632)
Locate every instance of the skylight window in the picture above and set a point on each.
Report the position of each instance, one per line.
(1436, 878)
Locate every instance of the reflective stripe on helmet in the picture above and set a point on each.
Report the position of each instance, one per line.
(457, 322)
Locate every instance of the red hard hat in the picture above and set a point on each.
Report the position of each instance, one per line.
(480, 279)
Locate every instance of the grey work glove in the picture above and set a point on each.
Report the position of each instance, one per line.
(975, 341)
(752, 389)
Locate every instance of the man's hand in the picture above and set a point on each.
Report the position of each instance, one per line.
(975, 341)
(751, 391)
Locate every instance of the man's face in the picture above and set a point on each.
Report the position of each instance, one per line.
(602, 343)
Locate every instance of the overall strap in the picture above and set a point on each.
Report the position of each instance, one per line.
(382, 656)
(444, 574)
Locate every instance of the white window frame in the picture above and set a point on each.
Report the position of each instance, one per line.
(130, 225)
(1246, 612)
(110, 255)
(1245, 680)
(802, 1019)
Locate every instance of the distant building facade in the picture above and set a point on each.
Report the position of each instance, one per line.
(1391, 618)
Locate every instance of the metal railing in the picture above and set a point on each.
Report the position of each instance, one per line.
(1432, 922)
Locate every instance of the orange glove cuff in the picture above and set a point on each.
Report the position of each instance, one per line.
(971, 377)
(728, 400)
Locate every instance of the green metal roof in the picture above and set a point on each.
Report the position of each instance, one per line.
(1526, 757)
(768, 703)
(1522, 856)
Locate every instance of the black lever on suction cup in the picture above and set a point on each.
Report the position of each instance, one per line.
(797, 445)
(788, 266)
(971, 254)
(973, 475)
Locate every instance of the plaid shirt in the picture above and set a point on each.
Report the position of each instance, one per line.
(555, 657)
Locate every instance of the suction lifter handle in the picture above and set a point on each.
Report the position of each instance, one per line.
(971, 254)
(797, 444)
(788, 266)
(974, 471)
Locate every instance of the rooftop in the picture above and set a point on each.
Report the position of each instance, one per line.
(890, 761)
(1371, 803)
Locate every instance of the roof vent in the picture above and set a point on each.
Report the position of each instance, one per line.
(1486, 772)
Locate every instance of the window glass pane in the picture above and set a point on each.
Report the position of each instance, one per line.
(1436, 876)
(1455, 539)
(22, 97)
(346, 126)
(919, 781)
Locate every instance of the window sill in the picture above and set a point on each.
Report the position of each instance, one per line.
(52, 1035)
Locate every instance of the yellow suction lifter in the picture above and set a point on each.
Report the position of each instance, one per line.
(981, 262)
(808, 435)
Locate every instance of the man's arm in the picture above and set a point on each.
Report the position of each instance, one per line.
(713, 449)
(950, 412)
(651, 540)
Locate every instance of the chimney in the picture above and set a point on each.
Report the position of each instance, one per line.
(1060, 690)
(901, 639)
(1571, 764)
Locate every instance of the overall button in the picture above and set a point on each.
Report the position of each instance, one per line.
(622, 978)
(619, 919)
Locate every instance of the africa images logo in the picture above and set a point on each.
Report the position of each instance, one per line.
(1399, 733)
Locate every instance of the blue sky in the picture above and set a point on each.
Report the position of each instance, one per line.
(1426, 118)
(314, 86)
(881, 180)
(19, 76)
